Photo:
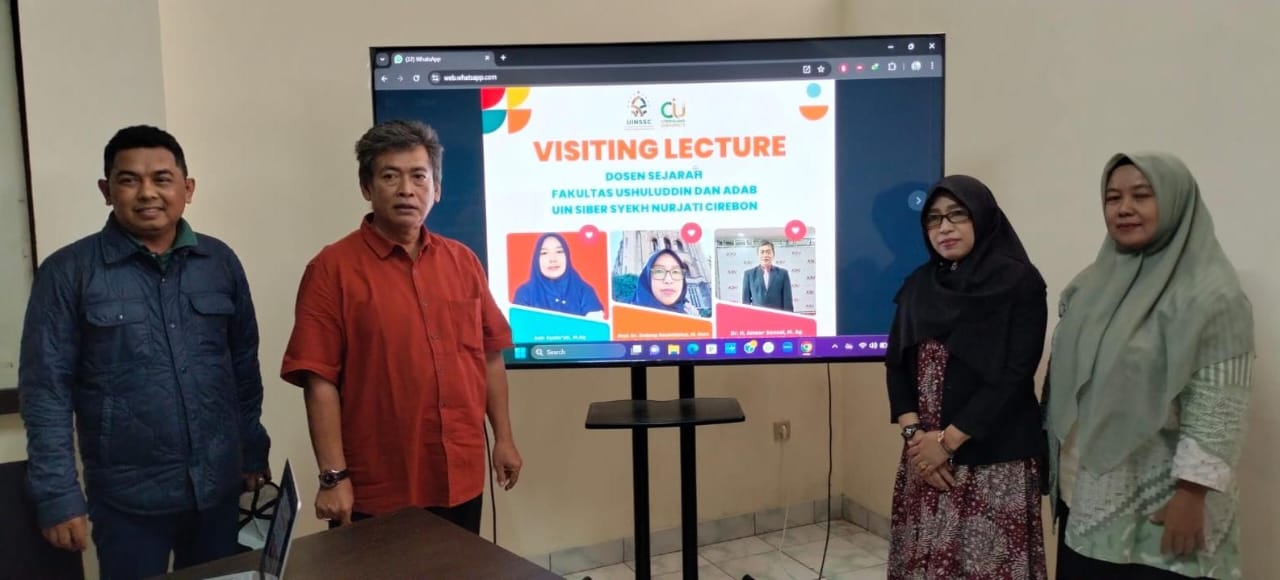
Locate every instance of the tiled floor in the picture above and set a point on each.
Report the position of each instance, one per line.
(853, 554)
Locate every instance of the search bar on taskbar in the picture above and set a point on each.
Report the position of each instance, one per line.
(579, 351)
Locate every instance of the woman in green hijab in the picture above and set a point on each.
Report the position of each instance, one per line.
(1148, 385)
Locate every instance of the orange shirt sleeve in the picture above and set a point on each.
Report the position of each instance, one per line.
(318, 341)
(497, 332)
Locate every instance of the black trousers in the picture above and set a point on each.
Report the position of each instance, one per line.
(466, 514)
(135, 546)
(1073, 566)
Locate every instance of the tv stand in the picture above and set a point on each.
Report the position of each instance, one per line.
(639, 414)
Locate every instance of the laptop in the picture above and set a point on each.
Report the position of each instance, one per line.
(279, 536)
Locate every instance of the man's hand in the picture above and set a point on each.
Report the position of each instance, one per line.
(1183, 521)
(254, 481)
(335, 503)
(71, 535)
(507, 464)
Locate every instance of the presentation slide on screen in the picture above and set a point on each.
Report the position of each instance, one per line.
(666, 211)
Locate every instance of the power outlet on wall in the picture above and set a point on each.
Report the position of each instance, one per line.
(782, 430)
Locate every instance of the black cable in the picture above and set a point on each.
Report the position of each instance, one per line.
(493, 484)
(830, 468)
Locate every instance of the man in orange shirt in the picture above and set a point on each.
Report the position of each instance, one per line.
(398, 345)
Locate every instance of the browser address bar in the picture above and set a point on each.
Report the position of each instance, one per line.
(629, 74)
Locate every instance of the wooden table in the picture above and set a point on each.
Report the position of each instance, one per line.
(411, 543)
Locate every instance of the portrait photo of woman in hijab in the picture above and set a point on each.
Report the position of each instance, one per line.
(554, 284)
(1150, 374)
(965, 343)
(661, 284)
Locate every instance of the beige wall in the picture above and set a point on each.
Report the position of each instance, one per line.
(15, 239)
(76, 98)
(90, 68)
(13, 443)
(1039, 94)
(268, 100)
(269, 97)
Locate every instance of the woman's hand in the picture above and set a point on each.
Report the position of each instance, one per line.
(914, 441)
(941, 478)
(927, 449)
(927, 459)
(1183, 521)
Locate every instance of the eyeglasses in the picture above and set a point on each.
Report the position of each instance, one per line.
(659, 273)
(956, 216)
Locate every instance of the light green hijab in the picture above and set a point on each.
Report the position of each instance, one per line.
(1135, 326)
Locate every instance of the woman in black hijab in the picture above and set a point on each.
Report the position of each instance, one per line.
(963, 351)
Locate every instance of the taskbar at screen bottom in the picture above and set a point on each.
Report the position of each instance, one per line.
(718, 350)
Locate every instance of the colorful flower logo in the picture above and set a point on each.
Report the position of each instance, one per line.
(494, 112)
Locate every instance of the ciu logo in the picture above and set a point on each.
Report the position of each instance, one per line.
(672, 109)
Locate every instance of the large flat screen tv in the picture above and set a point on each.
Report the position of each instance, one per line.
(665, 203)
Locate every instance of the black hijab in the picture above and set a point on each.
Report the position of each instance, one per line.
(966, 304)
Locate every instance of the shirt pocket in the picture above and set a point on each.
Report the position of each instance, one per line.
(464, 317)
(210, 325)
(117, 332)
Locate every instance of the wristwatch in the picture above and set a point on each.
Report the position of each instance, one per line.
(329, 478)
(910, 431)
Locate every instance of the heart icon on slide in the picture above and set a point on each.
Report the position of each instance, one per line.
(796, 230)
(691, 233)
(589, 233)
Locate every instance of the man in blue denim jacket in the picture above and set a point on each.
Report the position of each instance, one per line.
(145, 333)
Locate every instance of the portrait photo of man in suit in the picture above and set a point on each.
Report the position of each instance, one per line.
(767, 285)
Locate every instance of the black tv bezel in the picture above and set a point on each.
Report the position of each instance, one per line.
(756, 43)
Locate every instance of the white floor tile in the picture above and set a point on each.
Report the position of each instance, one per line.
(843, 528)
(841, 556)
(873, 573)
(614, 572)
(797, 536)
(708, 572)
(770, 566)
(734, 549)
(853, 554)
(875, 545)
(668, 563)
